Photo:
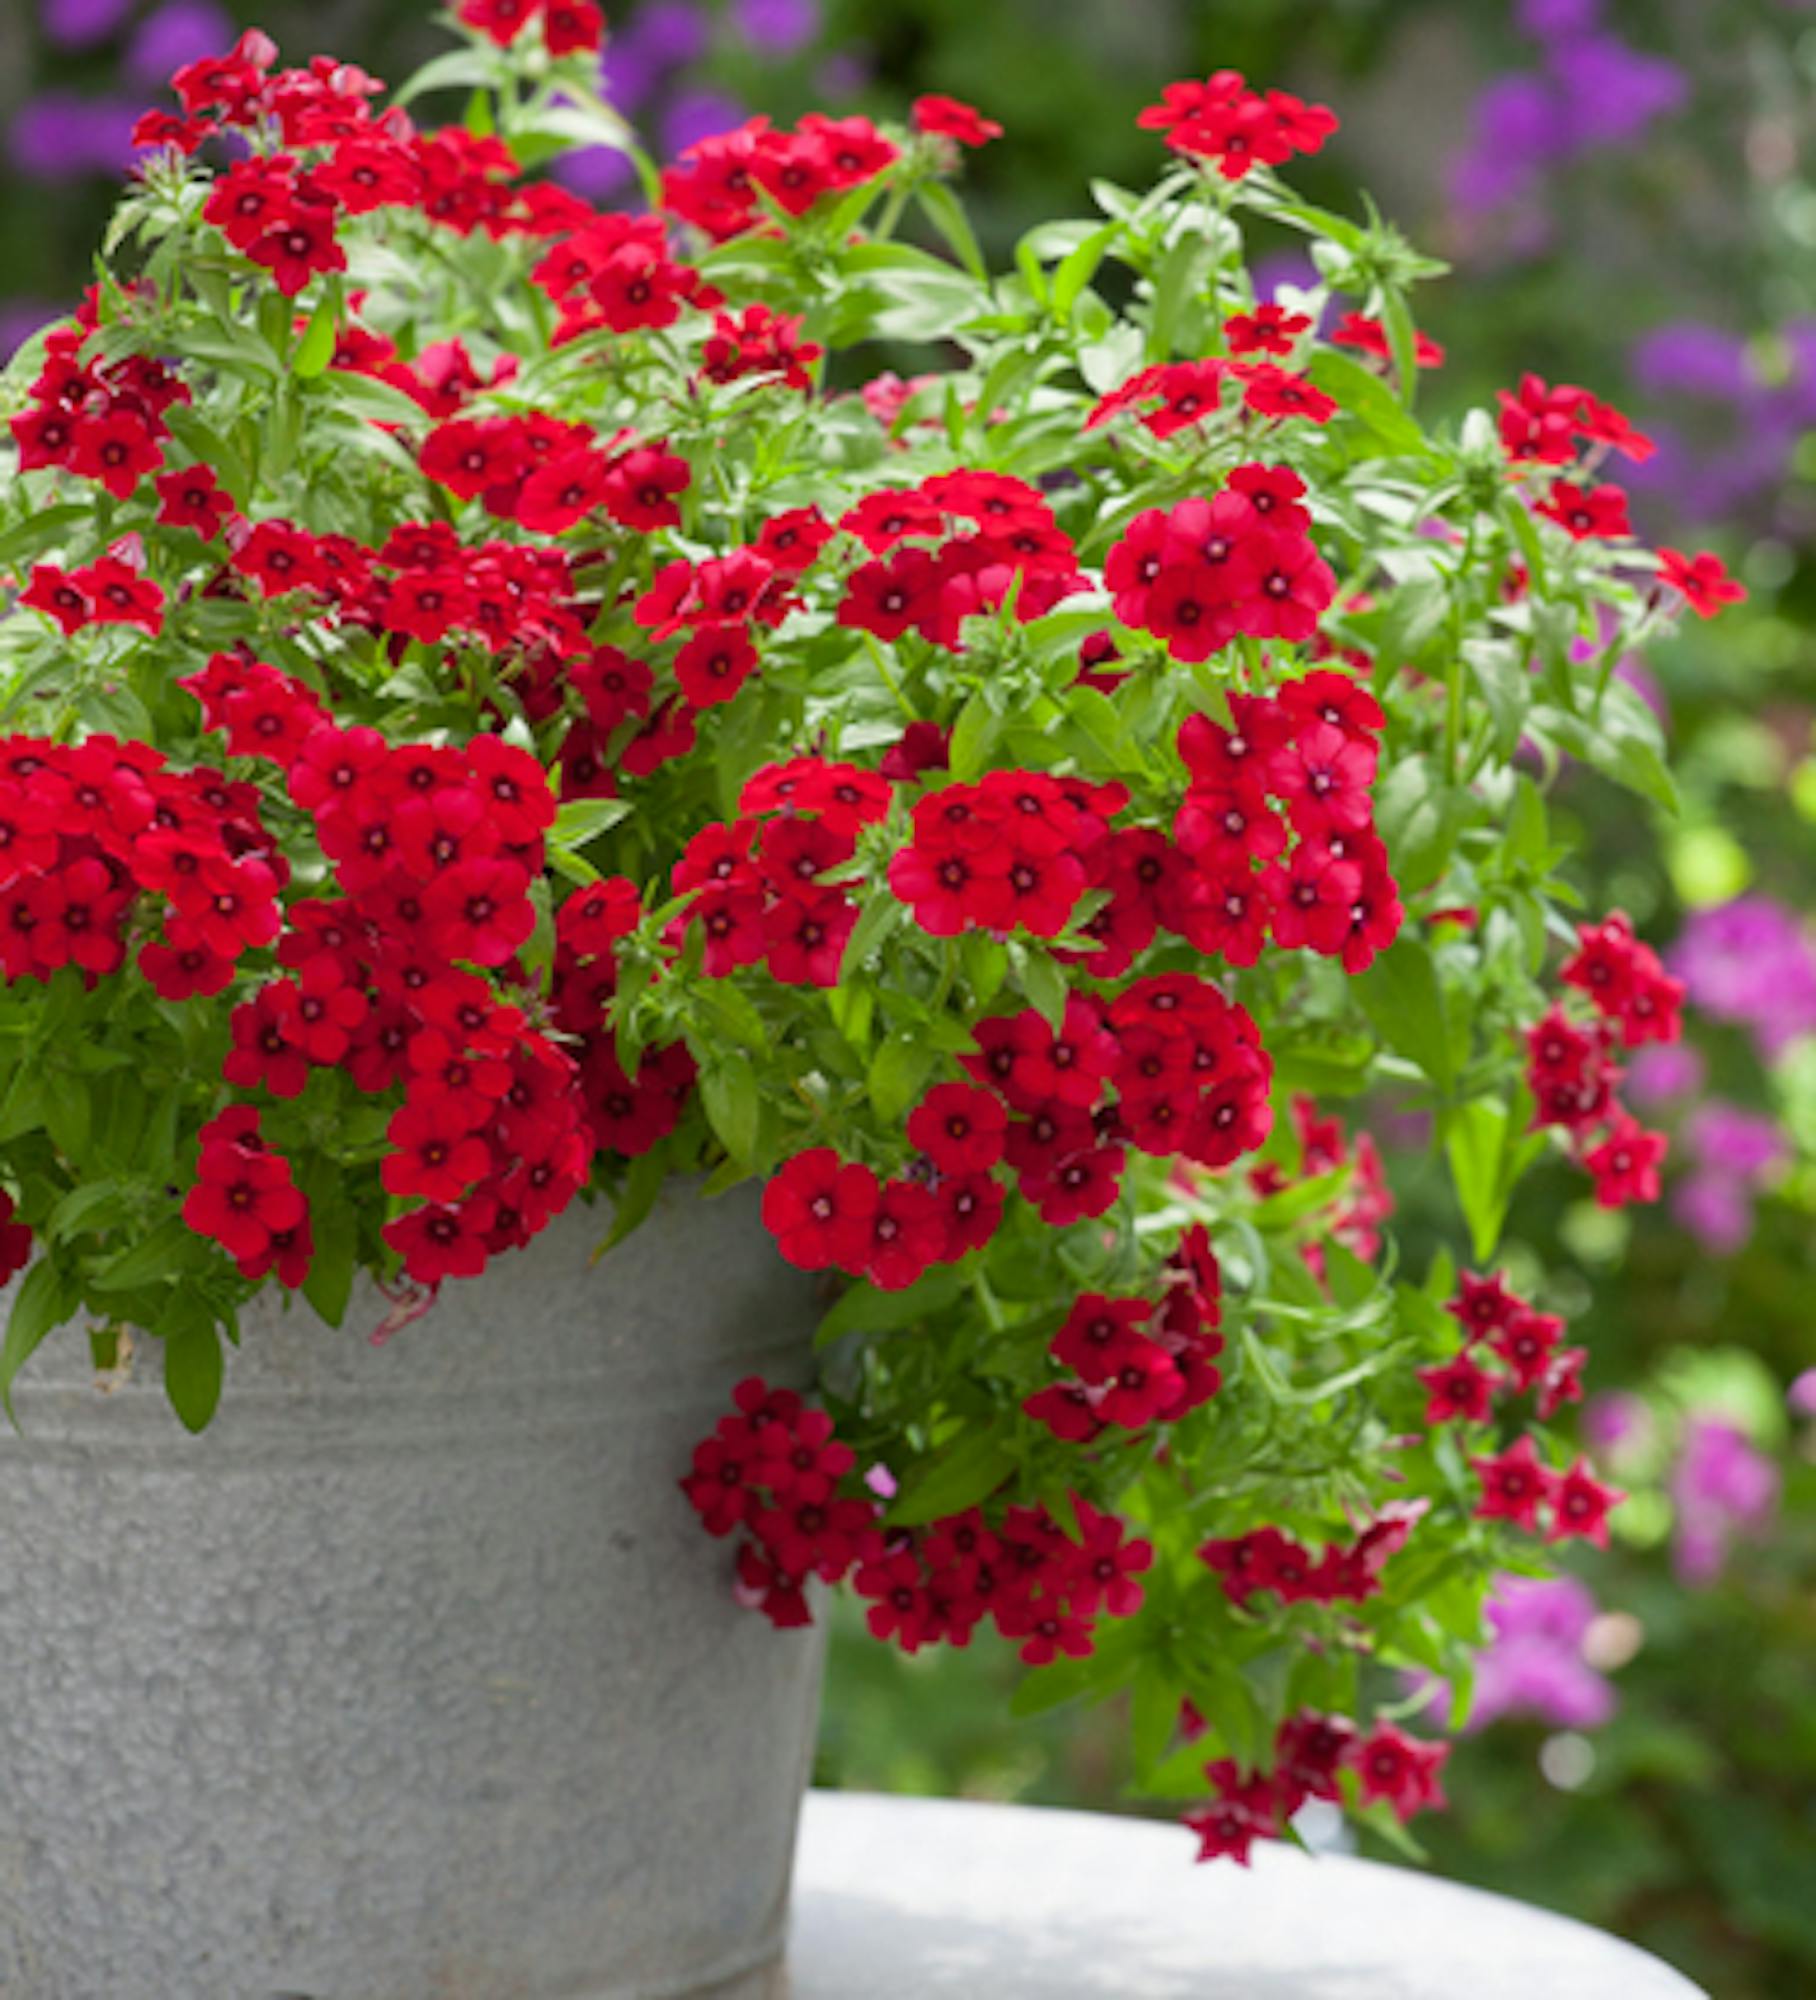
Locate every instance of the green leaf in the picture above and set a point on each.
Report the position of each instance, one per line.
(166, 1251)
(728, 1089)
(577, 820)
(974, 734)
(865, 1308)
(39, 531)
(643, 1182)
(47, 1296)
(329, 1284)
(1419, 817)
(1153, 1714)
(316, 348)
(1401, 996)
(967, 1471)
(1475, 1147)
(366, 396)
(1044, 984)
(897, 1071)
(193, 1369)
(1370, 401)
(1078, 267)
(67, 1217)
(941, 208)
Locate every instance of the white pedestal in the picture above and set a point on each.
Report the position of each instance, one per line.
(909, 1899)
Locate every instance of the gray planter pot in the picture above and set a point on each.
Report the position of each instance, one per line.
(414, 1677)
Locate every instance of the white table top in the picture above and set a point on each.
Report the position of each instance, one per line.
(908, 1899)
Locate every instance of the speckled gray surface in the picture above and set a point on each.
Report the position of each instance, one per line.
(930, 1899)
(413, 1677)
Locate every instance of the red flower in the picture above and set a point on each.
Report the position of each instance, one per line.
(116, 448)
(1583, 511)
(952, 119)
(1625, 1165)
(59, 596)
(715, 663)
(192, 498)
(1400, 1769)
(1356, 329)
(437, 1242)
(119, 595)
(1514, 1485)
(959, 1128)
(821, 1211)
(564, 491)
(436, 1150)
(1456, 1390)
(1702, 580)
(907, 1234)
(640, 488)
(242, 1199)
(1269, 329)
(1580, 1504)
(481, 910)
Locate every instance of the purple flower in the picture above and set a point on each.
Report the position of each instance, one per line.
(1558, 20)
(1716, 1208)
(777, 27)
(1737, 1141)
(1535, 1666)
(182, 31)
(1723, 1487)
(1801, 1395)
(1689, 358)
(697, 115)
(1615, 1422)
(60, 136)
(1750, 962)
(1611, 93)
(668, 34)
(595, 173)
(1519, 127)
(1665, 1073)
(19, 320)
(75, 24)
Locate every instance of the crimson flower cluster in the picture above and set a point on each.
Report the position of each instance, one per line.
(1310, 872)
(90, 833)
(1570, 1064)
(1042, 1587)
(720, 183)
(767, 888)
(1311, 1755)
(282, 212)
(1311, 1752)
(1173, 396)
(1135, 1362)
(1212, 570)
(1265, 1559)
(96, 419)
(1525, 1342)
(994, 535)
(569, 27)
(1235, 128)
(435, 849)
(1366, 1202)
(244, 1197)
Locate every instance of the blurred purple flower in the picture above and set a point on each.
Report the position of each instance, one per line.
(1518, 128)
(1611, 92)
(1801, 1395)
(75, 24)
(1689, 358)
(1723, 1486)
(595, 173)
(1716, 1208)
(182, 31)
(698, 114)
(1557, 20)
(777, 27)
(1535, 1666)
(19, 320)
(60, 136)
(1750, 962)
(1664, 1073)
(1614, 1421)
(1734, 1139)
(670, 34)
(843, 74)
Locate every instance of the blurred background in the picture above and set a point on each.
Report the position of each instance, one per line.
(1627, 197)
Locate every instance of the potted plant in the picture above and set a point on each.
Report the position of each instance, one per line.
(548, 795)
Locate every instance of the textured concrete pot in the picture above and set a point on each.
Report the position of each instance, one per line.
(413, 1677)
